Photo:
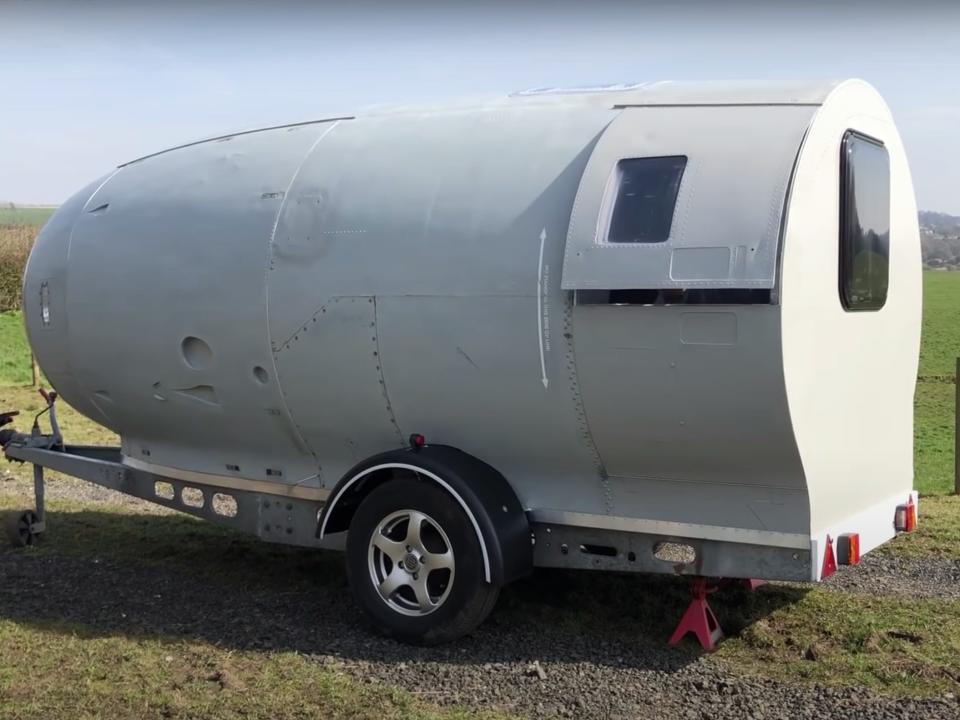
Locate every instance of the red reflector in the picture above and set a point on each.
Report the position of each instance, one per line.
(848, 549)
(829, 563)
(906, 517)
(417, 441)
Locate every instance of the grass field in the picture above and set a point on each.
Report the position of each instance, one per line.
(941, 324)
(34, 216)
(935, 397)
(63, 671)
(14, 352)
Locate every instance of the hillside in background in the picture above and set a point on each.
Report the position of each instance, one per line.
(940, 240)
(939, 222)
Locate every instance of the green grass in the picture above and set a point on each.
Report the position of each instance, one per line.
(933, 437)
(62, 671)
(940, 346)
(935, 397)
(24, 215)
(14, 351)
(895, 646)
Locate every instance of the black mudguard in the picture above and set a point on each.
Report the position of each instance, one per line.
(503, 525)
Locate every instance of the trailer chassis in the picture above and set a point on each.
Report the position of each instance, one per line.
(289, 520)
(272, 517)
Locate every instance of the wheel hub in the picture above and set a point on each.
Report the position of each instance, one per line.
(411, 562)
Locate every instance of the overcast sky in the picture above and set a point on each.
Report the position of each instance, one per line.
(86, 86)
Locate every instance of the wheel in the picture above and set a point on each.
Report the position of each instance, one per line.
(415, 565)
(19, 528)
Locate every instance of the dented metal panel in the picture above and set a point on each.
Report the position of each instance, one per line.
(183, 238)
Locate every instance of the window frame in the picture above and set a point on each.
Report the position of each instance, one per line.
(612, 194)
(845, 261)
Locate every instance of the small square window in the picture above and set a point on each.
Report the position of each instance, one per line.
(646, 196)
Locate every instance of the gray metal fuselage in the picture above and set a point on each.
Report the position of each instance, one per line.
(278, 305)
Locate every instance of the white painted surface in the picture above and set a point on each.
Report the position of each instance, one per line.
(850, 376)
(875, 525)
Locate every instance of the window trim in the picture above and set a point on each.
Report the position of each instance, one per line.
(611, 192)
(843, 255)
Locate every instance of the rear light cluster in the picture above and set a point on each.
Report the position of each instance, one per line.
(848, 549)
(848, 553)
(906, 517)
(848, 544)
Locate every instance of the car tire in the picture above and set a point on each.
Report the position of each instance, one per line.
(415, 564)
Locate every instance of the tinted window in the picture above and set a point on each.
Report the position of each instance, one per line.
(864, 222)
(646, 195)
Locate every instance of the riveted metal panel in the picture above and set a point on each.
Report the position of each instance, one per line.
(166, 318)
(330, 370)
(455, 224)
(447, 204)
(727, 218)
(450, 379)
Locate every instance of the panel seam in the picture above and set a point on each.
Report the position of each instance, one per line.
(383, 382)
(271, 243)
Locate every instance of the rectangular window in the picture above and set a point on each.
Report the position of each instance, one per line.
(646, 195)
(864, 222)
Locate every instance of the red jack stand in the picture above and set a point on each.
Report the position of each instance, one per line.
(699, 617)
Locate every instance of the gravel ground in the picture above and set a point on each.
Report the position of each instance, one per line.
(530, 668)
(537, 670)
(885, 574)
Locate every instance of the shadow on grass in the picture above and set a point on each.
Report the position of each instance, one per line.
(169, 575)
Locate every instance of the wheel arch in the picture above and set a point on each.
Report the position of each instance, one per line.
(484, 494)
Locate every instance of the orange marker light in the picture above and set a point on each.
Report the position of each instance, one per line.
(906, 517)
(848, 549)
